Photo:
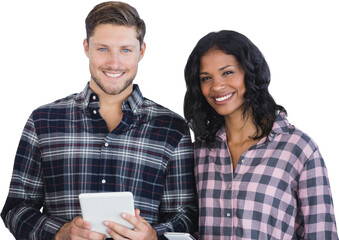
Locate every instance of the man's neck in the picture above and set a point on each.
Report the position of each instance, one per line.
(107, 100)
(110, 105)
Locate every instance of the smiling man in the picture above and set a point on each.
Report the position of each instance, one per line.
(107, 138)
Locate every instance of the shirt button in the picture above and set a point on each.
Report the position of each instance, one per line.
(242, 160)
(230, 186)
(272, 135)
(94, 97)
(228, 214)
(106, 144)
(94, 111)
(103, 181)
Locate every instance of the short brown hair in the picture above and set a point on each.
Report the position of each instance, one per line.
(116, 13)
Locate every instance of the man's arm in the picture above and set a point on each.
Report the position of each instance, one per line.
(178, 209)
(21, 213)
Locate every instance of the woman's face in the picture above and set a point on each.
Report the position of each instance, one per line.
(222, 82)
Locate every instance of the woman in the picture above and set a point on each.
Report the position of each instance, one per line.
(258, 177)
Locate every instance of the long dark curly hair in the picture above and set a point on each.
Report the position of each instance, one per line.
(202, 118)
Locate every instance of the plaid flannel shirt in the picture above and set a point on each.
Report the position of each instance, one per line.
(279, 189)
(66, 149)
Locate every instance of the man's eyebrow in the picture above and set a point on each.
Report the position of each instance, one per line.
(108, 46)
(128, 46)
(100, 45)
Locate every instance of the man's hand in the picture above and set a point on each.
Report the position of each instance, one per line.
(76, 230)
(142, 229)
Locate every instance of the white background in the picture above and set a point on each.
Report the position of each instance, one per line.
(42, 60)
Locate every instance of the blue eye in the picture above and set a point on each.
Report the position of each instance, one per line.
(102, 49)
(125, 50)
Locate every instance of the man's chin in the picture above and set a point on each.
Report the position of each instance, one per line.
(118, 90)
(112, 89)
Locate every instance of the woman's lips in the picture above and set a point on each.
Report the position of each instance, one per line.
(223, 99)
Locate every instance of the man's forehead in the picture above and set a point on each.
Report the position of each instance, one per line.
(109, 32)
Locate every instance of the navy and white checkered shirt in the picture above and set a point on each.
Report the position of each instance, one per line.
(279, 189)
(66, 149)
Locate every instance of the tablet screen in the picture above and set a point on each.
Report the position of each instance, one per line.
(98, 207)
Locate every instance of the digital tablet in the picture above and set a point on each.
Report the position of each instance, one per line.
(98, 207)
(178, 236)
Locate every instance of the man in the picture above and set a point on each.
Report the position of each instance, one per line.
(106, 138)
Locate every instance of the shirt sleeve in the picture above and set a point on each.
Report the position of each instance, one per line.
(315, 218)
(178, 209)
(21, 213)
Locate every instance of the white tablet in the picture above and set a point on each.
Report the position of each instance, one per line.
(178, 236)
(98, 207)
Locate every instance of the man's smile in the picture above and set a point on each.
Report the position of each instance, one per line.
(114, 75)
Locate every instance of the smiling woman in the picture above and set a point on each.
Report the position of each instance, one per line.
(257, 176)
(42, 58)
(222, 81)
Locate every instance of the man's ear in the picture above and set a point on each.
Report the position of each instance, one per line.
(142, 50)
(85, 44)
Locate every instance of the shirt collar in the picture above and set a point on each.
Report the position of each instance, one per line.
(133, 102)
(82, 99)
(280, 126)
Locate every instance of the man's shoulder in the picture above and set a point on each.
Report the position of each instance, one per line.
(161, 116)
(156, 110)
(61, 105)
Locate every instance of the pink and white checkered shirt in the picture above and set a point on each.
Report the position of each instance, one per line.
(279, 189)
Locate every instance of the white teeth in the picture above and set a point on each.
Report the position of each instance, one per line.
(223, 98)
(113, 75)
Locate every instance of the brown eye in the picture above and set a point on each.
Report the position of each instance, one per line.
(227, 72)
(204, 79)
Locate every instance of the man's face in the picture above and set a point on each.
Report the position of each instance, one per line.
(114, 53)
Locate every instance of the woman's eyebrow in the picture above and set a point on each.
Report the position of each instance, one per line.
(222, 68)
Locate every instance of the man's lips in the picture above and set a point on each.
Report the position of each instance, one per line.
(114, 75)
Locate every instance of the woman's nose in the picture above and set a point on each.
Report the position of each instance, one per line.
(218, 83)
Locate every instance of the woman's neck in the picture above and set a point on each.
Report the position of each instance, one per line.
(240, 128)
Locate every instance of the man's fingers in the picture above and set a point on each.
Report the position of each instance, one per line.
(81, 229)
(137, 221)
(79, 222)
(117, 231)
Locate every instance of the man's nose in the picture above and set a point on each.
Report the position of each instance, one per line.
(113, 60)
